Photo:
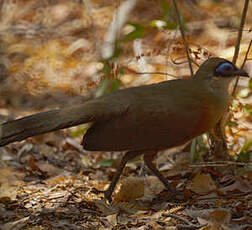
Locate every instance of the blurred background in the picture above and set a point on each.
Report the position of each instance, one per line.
(55, 53)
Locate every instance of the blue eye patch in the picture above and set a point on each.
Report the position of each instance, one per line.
(225, 69)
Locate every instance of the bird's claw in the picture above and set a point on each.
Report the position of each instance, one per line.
(107, 195)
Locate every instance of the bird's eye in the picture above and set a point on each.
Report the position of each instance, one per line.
(225, 69)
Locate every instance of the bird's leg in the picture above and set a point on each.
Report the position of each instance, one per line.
(148, 158)
(128, 156)
(218, 144)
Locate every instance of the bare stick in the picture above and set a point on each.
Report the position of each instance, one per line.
(188, 225)
(183, 36)
(246, 55)
(219, 164)
(244, 61)
(237, 45)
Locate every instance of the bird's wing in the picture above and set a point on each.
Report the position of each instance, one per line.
(156, 118)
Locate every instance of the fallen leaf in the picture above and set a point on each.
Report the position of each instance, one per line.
(131, 189)
(203, 184)
(220, 216)
(10, 181)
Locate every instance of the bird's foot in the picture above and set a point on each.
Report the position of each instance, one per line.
(108, 195)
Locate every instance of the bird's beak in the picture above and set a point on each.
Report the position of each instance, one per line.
(241, 72)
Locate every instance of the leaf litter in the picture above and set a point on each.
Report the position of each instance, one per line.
(50, 182)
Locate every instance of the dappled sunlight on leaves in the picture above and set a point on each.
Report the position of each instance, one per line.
(51, 58)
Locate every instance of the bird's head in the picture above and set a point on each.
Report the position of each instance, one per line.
(219, 68)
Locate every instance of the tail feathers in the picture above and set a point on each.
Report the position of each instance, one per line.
(45, 122)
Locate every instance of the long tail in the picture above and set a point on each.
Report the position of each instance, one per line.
(45, 122)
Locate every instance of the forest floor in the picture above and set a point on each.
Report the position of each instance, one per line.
(51, 54)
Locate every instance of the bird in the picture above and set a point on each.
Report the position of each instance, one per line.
(141, 120)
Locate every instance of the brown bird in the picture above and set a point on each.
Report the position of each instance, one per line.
(141, 120)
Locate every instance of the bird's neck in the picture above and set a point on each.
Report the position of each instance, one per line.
(221, 83)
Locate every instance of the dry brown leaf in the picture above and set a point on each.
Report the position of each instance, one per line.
(153, 186)
(58, 180)
(218, 220)
(18, 224)
(239, 185)
(10, 181)
(49, 169)
(154, 225)
(250, 176)
(131, 189)
(105, 208)
(41, 59)
(203, 184)
(220, 216)
(112, 219)
(213, 227)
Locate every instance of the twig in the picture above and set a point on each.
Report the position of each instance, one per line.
(188, 225)
(244, 61)
(245, 226)
(246, 55)
(168, 46)
(237, 45)
(182, 226)
(183, 36)
(158, 73)
(219, 164)
(177, 217)
(239, 197)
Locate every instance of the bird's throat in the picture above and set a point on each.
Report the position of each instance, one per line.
(221, 83)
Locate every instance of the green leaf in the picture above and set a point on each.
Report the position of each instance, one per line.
(106, 162)
(250, 83)
(246, 146)
(245, 152)
(138, 32)
(244, 92)
(107, 86)
(248, 110)
(197, 148)
(158, 23)
(102, 87)
(166, 8)
(244, 156)
(117, 51)
(243, 170)
(193, 151)
(79, 132)
(171, 25)
(235, 104)
(114, 85)
(232, 124)
(201, 143)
